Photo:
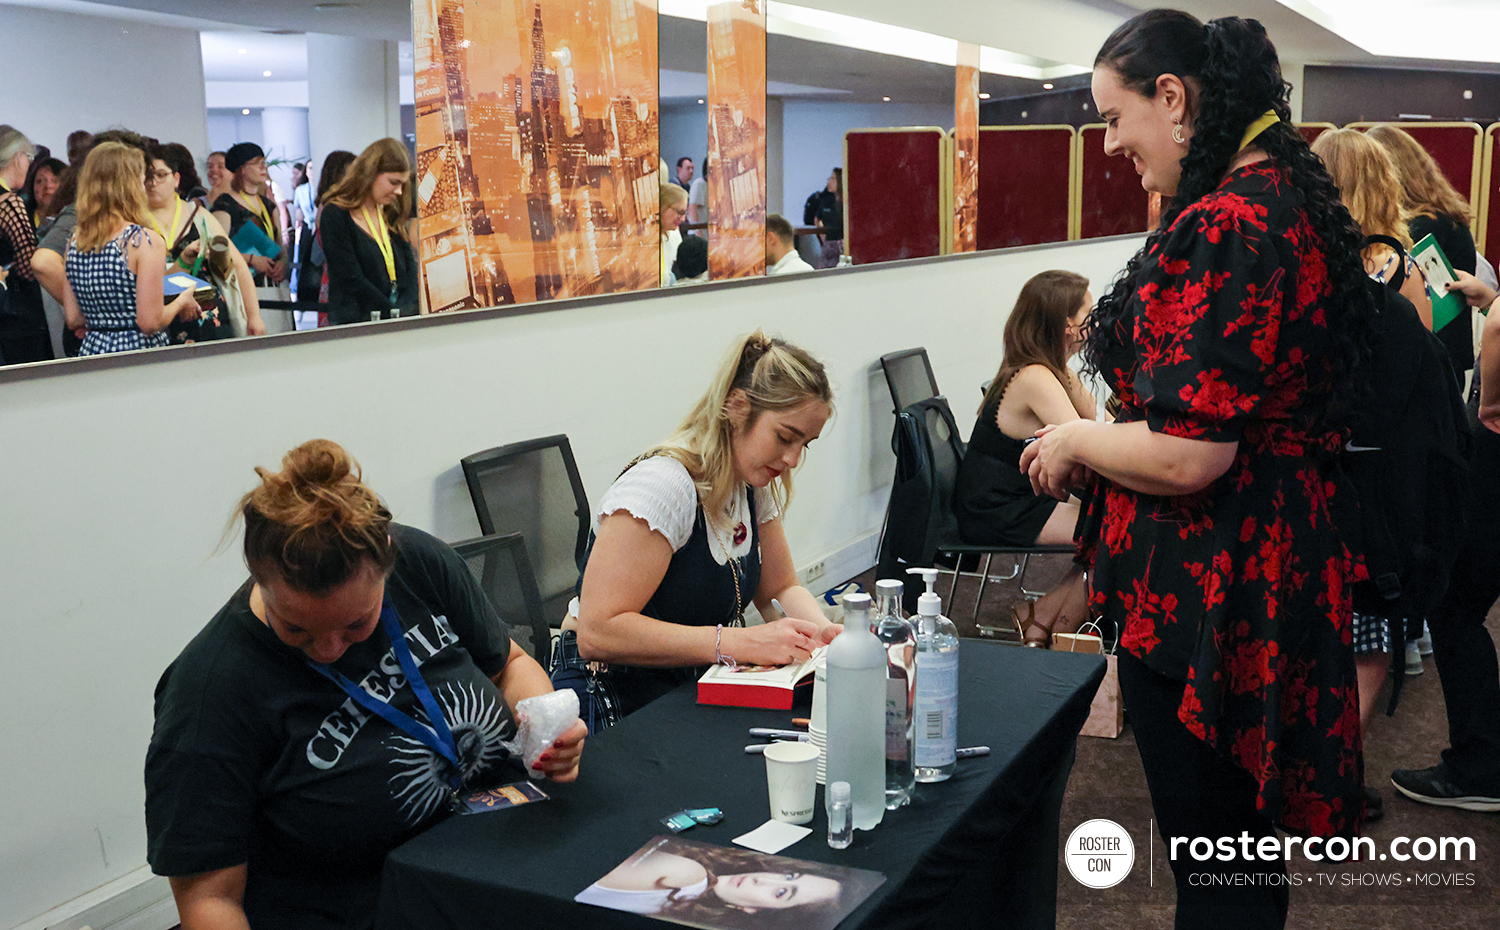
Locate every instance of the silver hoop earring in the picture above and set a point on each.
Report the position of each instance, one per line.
(1177, 135)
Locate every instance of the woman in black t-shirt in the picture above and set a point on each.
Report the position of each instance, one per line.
(276, 779)
(248, 201)
(372, 271)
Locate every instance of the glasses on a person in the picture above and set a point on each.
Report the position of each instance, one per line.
(157, 177)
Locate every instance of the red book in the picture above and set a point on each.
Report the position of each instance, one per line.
(770, 686)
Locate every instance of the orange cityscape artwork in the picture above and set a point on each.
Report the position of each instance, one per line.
(737, 139)
(966, 149)
(537, 165)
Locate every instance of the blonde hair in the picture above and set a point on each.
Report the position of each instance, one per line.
(1367, 182)
(773, 375)
(315, 523)
(110, 193)
(1427, 191)
(672, 195)
(383, 156)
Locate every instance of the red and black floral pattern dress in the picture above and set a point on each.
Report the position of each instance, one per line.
(1242, 589)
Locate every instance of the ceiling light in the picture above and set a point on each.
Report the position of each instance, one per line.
(700, 99)
(245, 112)
(1047, 86)
(1023, 114)
(242, 51)
(265, 74)
(886, 99)
(984, 96)
(1468, 95)
(1459, 30)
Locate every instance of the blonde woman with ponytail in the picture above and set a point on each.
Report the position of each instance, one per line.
(691, 533)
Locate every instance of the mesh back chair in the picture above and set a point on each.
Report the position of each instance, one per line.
(500, 565)
(533, 488)
(908, 374)
(920, 525)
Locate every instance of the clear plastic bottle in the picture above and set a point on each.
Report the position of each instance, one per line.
(856, 713)
(899, 638)
(936, 725)
(840, 816)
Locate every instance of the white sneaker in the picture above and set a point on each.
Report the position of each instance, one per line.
(1424, 642)
(1413, 658)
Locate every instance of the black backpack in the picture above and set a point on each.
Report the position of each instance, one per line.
(1408, 459)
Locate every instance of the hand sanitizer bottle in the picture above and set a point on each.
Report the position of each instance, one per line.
(936, 724)
(899, 638)
(856, 713)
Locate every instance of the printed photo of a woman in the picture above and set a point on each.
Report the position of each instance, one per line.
(722, 888)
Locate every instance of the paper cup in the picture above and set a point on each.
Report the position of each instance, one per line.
(791, 780)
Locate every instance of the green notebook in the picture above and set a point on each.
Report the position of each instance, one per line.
(1446, 305)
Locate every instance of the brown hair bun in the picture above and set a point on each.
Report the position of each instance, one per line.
(315, 523)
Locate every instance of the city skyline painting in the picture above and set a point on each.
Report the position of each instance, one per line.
(737, 139)
(537, 135)
(966, 149)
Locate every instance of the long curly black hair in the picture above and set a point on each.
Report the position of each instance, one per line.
(1233, 75)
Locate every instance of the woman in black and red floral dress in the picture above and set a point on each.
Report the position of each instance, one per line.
(1230, 342)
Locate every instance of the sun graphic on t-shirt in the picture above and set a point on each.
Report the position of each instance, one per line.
(479, 723)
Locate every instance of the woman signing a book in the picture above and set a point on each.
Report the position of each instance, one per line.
(690, 533)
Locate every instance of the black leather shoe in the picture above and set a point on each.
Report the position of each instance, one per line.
(1431, 786)
(1374, 804)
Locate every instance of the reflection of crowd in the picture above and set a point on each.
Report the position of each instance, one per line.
(70, 283)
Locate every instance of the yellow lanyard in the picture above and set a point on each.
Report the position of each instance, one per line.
(166, 234)
(1263, 122)
(382, 237)
(259, 212)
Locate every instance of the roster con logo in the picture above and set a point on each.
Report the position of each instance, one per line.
(1319, 849)
(1099, 853)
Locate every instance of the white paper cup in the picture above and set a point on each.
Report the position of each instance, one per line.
(791, 780)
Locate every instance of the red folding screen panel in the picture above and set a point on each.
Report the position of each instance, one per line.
(1025, 185)
(1490, 231)
(895, 184)
(1111, 199)
(1311, 131)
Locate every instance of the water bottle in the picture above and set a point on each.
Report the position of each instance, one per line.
(936, 726)
(840, 816)
(899, 638)
(856, 713)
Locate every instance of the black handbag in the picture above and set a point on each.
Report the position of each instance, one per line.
(598, 703)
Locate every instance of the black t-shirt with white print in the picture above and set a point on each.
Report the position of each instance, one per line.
(257, 758)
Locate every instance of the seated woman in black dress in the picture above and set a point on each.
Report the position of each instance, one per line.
(691, 532)
(372, 271)
(992, 498)
(348, 692)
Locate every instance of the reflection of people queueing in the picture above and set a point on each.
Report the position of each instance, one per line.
(698, 200)
(372, 270)
(1230, 341)
(713, 886)
(684, 178)
(1468, 775)
(248, 200)
(825, 209)
(781, 248)
(673, 206)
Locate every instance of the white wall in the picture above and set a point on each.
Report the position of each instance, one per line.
(813, 140)
(65, 72)
(120, 475)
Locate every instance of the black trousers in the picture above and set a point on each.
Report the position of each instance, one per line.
(1461, 646)
(1196, 793)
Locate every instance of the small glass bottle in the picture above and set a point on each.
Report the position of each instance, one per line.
(899, 638)
(840, 816)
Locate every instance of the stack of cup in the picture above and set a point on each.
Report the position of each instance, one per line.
(817, 727)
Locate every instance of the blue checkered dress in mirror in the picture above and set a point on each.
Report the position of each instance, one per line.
(105, 288)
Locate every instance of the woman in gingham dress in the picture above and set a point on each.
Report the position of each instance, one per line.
(114, 266)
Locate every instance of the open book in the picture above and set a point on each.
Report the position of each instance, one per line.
(769, 686)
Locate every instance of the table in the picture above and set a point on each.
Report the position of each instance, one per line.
(979, 850)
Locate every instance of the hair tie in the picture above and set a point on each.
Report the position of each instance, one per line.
(1265, 121)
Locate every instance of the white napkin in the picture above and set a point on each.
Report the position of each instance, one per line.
(772, 836)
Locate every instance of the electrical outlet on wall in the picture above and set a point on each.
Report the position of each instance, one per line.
(814, 572)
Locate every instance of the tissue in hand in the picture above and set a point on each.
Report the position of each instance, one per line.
(540, 721)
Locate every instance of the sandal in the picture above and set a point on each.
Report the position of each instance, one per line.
(1028, 624)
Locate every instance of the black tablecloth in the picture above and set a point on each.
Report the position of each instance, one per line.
(979, 850)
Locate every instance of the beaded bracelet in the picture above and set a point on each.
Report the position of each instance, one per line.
(719, 657)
